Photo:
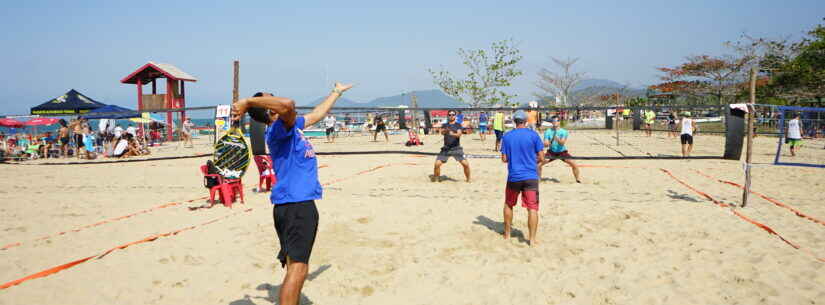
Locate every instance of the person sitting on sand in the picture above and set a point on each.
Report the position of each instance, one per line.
(295, 215)
(522, 150)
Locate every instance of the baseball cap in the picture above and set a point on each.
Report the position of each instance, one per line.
(520, 115)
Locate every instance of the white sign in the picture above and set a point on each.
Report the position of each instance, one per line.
(223, 111)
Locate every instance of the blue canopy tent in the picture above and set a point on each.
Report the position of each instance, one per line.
(111, 112)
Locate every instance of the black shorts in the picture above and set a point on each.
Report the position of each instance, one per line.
(64, 140)
(380, 128)
(78, 140)
(686, 139)
(296, 224)
(556, 155)
(330, 130)
(456, 152)
(499, 133)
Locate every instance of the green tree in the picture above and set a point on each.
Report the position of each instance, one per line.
(803, 75)
(489, 72)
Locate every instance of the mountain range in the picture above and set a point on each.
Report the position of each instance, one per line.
(426, 98)
(437, 99)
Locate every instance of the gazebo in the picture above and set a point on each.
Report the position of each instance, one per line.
(175, 96)
(72, 102)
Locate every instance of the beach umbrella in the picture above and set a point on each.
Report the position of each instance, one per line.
(41, 121)
(111, 112)
(6, 122)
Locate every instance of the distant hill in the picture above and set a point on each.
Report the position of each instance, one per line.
(597, 83)
(426, 99)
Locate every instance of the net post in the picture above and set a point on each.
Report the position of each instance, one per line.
(749, 153)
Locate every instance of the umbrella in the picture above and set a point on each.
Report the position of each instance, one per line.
(111, 112)
(5, 122)
(148, 118)
(41, 121)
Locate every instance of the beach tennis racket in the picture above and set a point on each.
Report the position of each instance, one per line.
(232, 154)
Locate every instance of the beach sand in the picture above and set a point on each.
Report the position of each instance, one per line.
(629, 234)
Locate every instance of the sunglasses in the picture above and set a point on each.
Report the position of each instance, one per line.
(451, 114)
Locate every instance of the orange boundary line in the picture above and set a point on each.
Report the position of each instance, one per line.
(743, 217)
(78, 229)
(769, 199)
(62, 267)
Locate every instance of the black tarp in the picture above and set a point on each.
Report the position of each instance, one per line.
(72, 102)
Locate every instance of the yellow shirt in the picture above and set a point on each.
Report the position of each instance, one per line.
(498, 121)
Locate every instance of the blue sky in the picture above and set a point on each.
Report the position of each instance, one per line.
(385, 47)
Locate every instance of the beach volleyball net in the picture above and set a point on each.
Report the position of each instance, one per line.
(596, 132)
(810, 148)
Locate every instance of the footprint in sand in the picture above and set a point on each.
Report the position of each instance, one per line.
(364, 220)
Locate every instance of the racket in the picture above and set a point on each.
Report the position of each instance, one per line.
(232, 153)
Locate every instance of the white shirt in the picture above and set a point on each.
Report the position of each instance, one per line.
(132, 130)
(794, 130)
(121, 147)
(687, 126)
(329, 122)
(118, 131)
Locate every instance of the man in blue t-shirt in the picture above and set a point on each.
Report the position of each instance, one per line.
(555, 138)
(521, 149)
(293, 198)
(482, 126)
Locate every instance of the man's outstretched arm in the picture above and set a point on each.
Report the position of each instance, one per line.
(322, 109)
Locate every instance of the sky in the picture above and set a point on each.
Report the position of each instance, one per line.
(298, 49)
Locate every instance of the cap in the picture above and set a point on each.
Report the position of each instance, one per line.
(520, 115)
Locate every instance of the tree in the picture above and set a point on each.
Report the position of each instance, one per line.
(706, 75)
(489, 72)
(804, 73)
(552, 83)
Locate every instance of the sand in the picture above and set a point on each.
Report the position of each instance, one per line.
(629, 234)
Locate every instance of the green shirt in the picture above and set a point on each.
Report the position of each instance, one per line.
(498, 121)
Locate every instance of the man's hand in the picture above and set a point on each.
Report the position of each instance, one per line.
(341, 87)
(239, 109)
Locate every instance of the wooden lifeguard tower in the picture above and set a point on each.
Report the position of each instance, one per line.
(175, 96)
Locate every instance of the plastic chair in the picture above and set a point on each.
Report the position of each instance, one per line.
(226, 188)
(264, 164)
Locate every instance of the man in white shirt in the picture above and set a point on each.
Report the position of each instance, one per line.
(329, 124)
(686, 137)
(793, 135)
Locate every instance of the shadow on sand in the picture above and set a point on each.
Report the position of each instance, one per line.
(498, 227)
(273, 290)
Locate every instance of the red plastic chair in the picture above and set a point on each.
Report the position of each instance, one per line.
(226, 188)
(264, 163)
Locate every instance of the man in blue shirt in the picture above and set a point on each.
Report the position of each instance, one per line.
(521, 149)
(555, 138)
(294, 195)
(482, 125)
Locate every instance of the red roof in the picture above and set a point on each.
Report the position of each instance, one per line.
(153, 70)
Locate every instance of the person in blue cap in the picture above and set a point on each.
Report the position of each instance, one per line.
(522, 150)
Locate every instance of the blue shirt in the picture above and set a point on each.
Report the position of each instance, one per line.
(295, 164)
(482, 119)
(459, 118)
(521, 145)
(561, 133)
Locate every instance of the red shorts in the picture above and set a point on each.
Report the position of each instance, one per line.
(529, 190)
(556, 155)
